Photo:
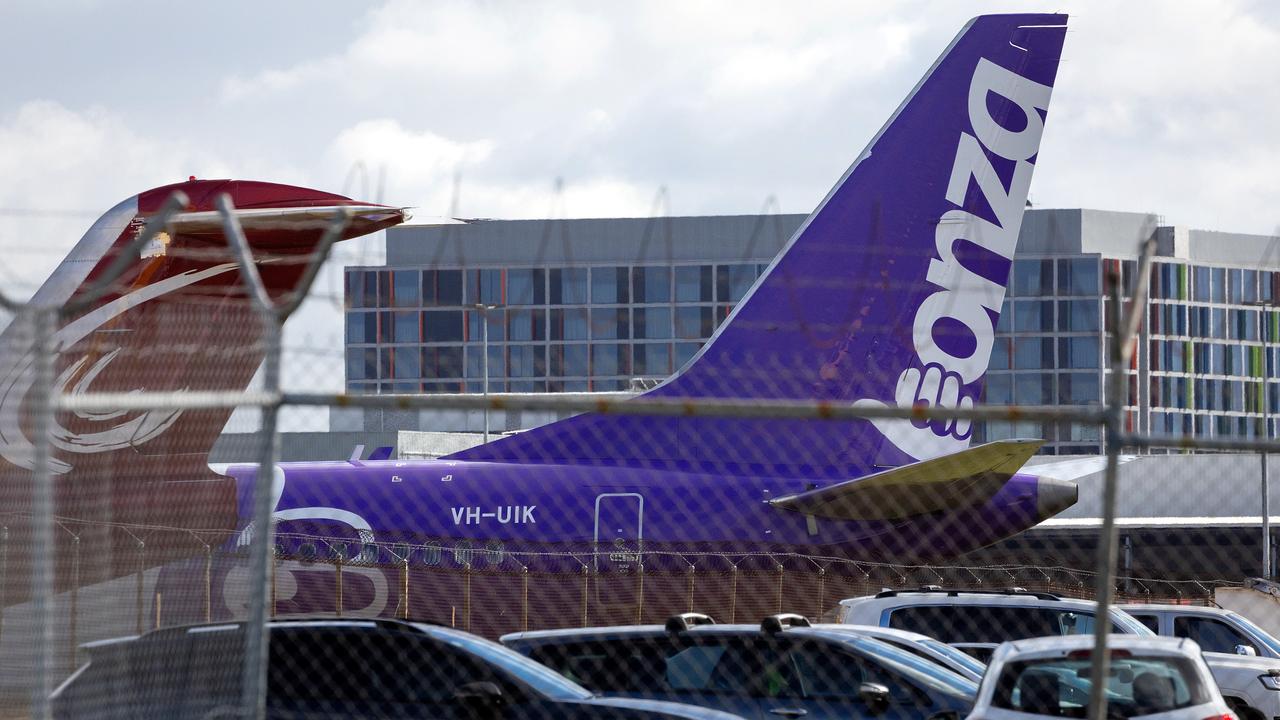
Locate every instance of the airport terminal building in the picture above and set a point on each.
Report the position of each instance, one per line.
(615, 304)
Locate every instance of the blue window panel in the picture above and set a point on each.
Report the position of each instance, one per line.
(651, 284)
(570, 360)
(653, 322)
(442, 326)
(1078, 353)
(609, 286)
(526, 361)
(1032, 353)
(733, 281)
(999, 389)
(406, 327)
(1218, 287)
(1005, 323)
(1033, 316)
(1032, 278)
(1079, 276)
(568, 286)
(694, 322)
(406, 288)
(569, 324)
(1032, 388)
(408, 362)
(1078, 316)
(610, 359)
(526, 286)
(526, 325)
(610, 323)
(652, 359)
(1001, 354)
(1079, 388)
(693, 283)
(1201, 289)
(484, 286)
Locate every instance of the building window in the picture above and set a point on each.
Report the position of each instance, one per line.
(652, 359)
(651, 284)
(1078, 353)
(653, 322)
(733, 281)
(693, 283)
(1078, 276)
(1200, 285)
(406, 288)
(362, 364)
(442, 287)
(1032, 353)
(694, 322)
(484, 287)
(442, 326)
(408, 362)
(569, 324)
(609, 286)
(610, 323)
(568, 286)
(1033, 316)
(1032, 278)
(569, 361)
(476, 322)
(1079, 389)
(610, 359)
(526, 325)
(406, 326)
(526, 287)
(1078, 315)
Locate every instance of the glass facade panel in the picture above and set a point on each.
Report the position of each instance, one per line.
(1078, 352)
(526, 361)
(526, 287)
(406, 288)
(406, 327)
(1078, 316)
(1032, 278)
(733, 281)
(610, 323)
(653, 322)
(1032, 353)
(439, 326)
(484, 287)
(569, 324)
(652, 359)
(1079, 389)
(444, 363)
(610, 359)
(694, 322)
(651, 284)
(1200, 285)
(1079, 276)
(1032, 316)
(609, 286)
(684, 352)
(568, 286)
(1218, 284)
(526, 325)
(476, 325)
(408, 362)
(362, 364)
(999, 389)
(569, 360)
(1032, 388)
(693, 283)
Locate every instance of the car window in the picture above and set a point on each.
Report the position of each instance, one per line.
(888, 659)
(1136, 686)
(824, 672)
(539, 677)
(1152, 622)
(1210, 634)
(977, 623)
(323, 667)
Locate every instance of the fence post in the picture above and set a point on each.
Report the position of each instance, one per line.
(139, 599)
(338, 582)
(733, 597)
(208, 583)
(466, 597)
(524, 598)
(404, 588)
(691, 570)
(640, 590)
(822, 593)
(75, 600)
(586, 593)
(4, 574)
(781, 575)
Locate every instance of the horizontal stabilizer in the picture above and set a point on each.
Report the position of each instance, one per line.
(958, 480)
(285, 218)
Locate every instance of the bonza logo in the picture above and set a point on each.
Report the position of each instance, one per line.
(964, 296)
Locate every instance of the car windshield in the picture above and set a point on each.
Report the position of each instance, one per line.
(1258, 633)
(1136, 686)
(918, 669)
(541, 678)
(959, 657)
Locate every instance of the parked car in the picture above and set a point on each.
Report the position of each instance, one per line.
(976, 621)
(1214, 629)
(333, 668)
(1050, 677)
(781, 668)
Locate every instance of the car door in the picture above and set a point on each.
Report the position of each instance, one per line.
(1211, 634)
(826, 683)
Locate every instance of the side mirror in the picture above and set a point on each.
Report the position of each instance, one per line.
(484, 695)
(874, 695)
(1246, 650)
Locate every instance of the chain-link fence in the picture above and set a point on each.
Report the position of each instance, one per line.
(815, 449)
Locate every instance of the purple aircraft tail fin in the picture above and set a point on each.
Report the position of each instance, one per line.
(888, 294)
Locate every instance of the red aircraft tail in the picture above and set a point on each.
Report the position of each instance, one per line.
(178, 318)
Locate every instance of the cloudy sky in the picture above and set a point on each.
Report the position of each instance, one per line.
(1167, 107)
